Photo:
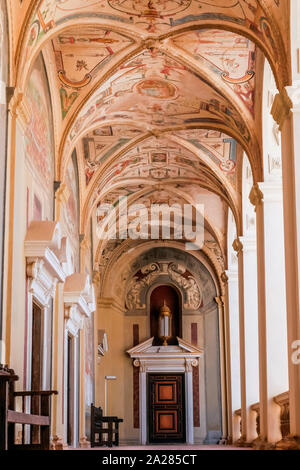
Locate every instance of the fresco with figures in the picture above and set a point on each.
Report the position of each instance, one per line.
(72, 207)
(39, 133)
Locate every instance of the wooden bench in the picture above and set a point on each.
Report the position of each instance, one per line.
(35, 413)
(110, 430)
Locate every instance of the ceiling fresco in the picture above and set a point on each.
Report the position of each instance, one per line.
(97, 146)
(79, 59)
(154, 16)
(229, 55)
(219, 147)
(156, 91)
(157, 96)
(156, 160)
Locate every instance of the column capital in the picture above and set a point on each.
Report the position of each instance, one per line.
(232, 275)
(272, 191)
(256, 196)
(293, 94)
(237, 246)
(249, 244)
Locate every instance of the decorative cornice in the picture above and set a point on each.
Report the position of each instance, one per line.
(282, 105)
(256, 196)
(110, 303)
(42, 284)
(49, 258)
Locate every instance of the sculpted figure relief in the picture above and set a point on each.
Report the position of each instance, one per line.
(176, 272)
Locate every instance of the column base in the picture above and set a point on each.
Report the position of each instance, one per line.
(225, 441)
(57, 443)
(261, 444)
(288, 443)
(241, 442)
(84, 443)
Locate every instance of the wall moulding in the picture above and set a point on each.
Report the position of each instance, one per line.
(42, 252)
(79, 301)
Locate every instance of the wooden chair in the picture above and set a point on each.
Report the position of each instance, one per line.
(111, 430)
(39, 421)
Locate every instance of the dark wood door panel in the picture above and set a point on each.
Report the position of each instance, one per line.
(166, 408)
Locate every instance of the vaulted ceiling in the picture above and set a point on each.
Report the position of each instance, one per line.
(159, 97)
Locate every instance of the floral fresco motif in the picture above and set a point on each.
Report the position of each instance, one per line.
(160, 160)
(152, 8)
(156, 90)
(220, 148)
(154, 16)
(79, 58)
(39, 133)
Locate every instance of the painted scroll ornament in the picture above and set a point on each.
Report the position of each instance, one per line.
(150, 8)
(238, 81)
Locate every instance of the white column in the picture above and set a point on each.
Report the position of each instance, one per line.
(276, 328)
(143, 404)
(189, 403)
(233, 301)
(251, 333)
(286, 112)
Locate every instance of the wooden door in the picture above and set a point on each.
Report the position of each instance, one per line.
(36, 366)
(166, 408)
(36, 352)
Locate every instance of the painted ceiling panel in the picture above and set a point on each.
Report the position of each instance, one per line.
(229, 55)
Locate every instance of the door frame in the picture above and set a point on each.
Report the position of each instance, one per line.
(184, 406)
(165, 368)
(74, 408)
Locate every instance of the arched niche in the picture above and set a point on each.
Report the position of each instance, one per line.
(172, 297)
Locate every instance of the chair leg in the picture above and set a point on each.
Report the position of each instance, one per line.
(110, 435)
(117, 435)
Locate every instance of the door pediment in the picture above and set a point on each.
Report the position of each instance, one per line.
(175, 356)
